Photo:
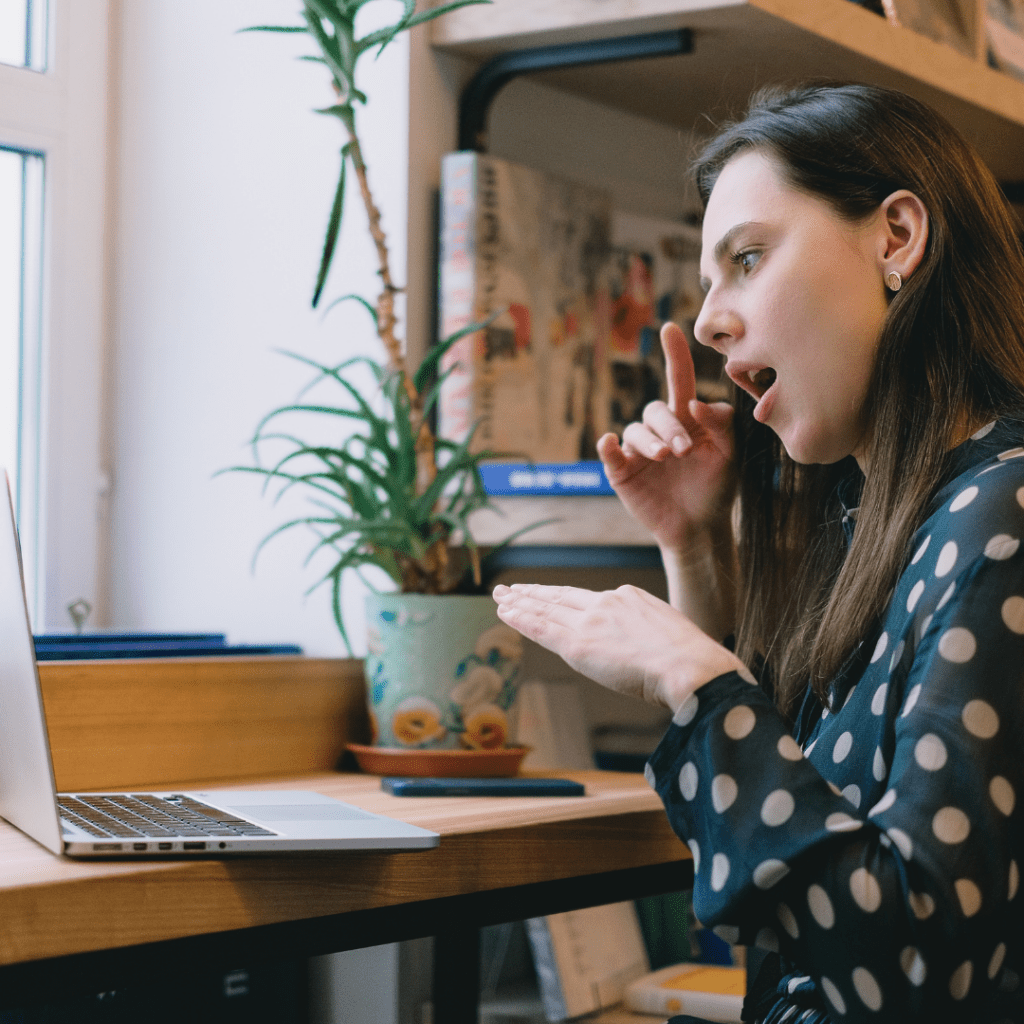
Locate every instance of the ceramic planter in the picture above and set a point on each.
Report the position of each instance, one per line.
(440, 672)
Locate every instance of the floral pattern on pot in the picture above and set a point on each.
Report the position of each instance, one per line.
(440, 672)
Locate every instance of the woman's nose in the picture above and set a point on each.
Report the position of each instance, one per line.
(716, 325)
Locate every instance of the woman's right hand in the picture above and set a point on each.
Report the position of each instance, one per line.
(674, 471)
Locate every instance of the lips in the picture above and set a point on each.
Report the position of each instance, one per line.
(758, 381)
(755, 380)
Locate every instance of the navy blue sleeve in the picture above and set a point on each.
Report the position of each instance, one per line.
(904, 903)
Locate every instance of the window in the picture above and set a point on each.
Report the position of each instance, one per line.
(21, 266)
(53, 128)
(24, 33)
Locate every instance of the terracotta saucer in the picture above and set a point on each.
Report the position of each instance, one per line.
(448, 764)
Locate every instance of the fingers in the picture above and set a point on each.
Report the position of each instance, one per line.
(714, 420)
(682, 381)
(566, 597)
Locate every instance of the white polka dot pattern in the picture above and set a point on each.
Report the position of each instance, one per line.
(788, 921)
(930, 753)
(843, 747)
(719, 871)
(913, 966)
(996, 963)
(833, 995)
(900, 782)
(947, 559)
(789, 749)
(880, 647)
(960, 983)
(957, 645)
(922, 905)
(1013, 613)
(769, 873)
(980, 719)
(1003, 795)
(919, 554)
(867, 988)
(723, 792)
(951, 825)
(866, 891)
(964, 498)
(687, 710)
(739, 722)
(777, 808)
(903, 842)
(969, 895)
(1002, 546)
(821, 906)
(688, 781)
(912, 699)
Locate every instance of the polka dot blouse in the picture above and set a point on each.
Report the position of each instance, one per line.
(876, 848)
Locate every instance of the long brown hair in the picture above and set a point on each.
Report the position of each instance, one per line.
(951, 352)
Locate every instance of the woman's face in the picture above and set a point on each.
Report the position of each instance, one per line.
(795, 301)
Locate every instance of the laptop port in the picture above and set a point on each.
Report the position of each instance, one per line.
(165, 846)
(195, 846)
(107, 847)
(138, 846)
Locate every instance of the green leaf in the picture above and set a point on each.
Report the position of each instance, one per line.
(333, 223)
(274, 28)
(354, 298)
(432, 359)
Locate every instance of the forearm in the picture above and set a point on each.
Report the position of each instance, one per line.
(702, 580)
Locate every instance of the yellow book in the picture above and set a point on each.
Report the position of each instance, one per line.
(704, 990)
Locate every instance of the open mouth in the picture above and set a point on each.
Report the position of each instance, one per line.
(755, 381)
(761, 381)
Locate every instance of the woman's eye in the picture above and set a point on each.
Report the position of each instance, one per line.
(747, 259)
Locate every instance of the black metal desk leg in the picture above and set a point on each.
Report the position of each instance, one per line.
(457, 974)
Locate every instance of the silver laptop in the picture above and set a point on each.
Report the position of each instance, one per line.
(212, 822)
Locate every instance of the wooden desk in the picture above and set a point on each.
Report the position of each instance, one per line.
(94, 925)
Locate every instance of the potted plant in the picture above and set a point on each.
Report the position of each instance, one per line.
(388, 492)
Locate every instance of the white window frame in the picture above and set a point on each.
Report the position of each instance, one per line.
(64, 114)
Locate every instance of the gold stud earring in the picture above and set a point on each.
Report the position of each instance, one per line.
(893, 281)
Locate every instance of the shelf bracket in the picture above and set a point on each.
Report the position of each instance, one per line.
(479, 93)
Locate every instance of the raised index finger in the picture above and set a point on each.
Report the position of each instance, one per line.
(682, 380)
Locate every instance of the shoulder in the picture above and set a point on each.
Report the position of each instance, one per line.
(978, 514)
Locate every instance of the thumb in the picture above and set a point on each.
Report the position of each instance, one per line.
(715, 419)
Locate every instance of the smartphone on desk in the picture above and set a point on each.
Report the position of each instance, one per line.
(481, 787)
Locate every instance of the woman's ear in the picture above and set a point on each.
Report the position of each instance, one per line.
(905, 233)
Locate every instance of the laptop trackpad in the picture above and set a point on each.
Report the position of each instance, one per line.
(301, 812)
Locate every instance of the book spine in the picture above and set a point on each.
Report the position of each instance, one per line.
(546, 478)
(457, 410)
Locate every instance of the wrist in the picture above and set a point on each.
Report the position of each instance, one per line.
(680, 683)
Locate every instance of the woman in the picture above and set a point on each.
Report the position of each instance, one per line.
(856, 813)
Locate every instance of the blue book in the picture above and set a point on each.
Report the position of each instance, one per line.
(545, 478)
(89, 646)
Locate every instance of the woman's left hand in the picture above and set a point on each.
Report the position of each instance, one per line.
(624, 639)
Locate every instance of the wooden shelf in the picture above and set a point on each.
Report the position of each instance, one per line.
(740, 44)
(582, 520)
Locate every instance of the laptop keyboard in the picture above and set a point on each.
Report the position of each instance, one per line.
(145, 816)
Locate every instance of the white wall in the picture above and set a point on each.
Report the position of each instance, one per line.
(223, 182)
